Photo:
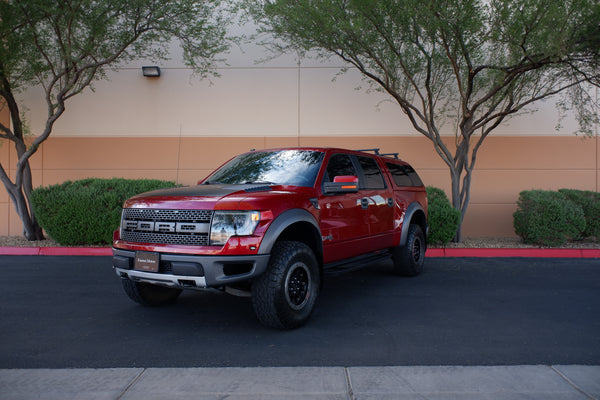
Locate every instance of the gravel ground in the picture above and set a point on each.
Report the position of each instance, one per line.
(481, 242)
(514, 242)
(18, 241)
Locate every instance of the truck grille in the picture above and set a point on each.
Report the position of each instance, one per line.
(184, 227)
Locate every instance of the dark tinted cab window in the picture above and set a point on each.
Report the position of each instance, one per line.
(404, 175)
(339, 165)
(372, 173)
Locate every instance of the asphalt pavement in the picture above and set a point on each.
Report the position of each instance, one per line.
(467, 328)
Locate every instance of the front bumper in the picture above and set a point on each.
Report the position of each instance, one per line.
(191, 271)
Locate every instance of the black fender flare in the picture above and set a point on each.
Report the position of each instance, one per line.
(412, 209)
(281, 222)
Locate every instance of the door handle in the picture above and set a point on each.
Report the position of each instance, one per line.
(364, 203)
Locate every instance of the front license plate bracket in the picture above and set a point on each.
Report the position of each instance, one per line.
(146, 261)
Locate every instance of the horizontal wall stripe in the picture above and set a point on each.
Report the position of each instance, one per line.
(506, 167)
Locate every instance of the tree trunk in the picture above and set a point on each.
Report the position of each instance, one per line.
(456, 200)
(31, 229)
(461, 172)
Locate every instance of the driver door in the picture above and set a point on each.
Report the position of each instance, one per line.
(344, 220)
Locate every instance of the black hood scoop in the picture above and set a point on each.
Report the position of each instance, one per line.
(261, 188)
(217, 190)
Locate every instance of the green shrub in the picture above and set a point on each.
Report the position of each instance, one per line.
(86, 211)
(547, 218)
(590, 204)
(442, 217)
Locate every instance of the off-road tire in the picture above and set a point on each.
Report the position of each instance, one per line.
(285, 295)
(150, 295)
(409, 259)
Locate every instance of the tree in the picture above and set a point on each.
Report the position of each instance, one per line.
(466, 64)
(65, 45)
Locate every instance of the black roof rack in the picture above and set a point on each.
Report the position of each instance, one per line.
(376, 151)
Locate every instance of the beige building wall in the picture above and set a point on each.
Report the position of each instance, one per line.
(507, 165)
(180, 128)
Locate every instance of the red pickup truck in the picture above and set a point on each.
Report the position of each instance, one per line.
(268, 224)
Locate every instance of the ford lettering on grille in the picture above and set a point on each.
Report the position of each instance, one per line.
(186, 227)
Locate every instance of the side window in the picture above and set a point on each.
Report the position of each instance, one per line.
(413, 176)
(339, 164)
(400, 175)
(372, 173)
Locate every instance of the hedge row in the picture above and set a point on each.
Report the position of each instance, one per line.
(442, 217)
(86, 211)
(551, 218)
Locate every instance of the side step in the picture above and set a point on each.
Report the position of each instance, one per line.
(355, 263)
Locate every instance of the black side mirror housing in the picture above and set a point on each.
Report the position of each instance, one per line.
(341, 184)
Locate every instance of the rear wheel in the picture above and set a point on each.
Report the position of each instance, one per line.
(150, 295)
(285, 295)
(409, 259)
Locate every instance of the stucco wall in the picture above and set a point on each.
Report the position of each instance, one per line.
(179, 127)
(506, 166)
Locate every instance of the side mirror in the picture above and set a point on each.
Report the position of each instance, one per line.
(341, 184)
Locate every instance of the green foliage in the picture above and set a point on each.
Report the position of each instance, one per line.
(548, 218)
(466, 56)
(590, 204)
(442, 217)
(468, 64)
(77, 39)
(63, 47)
(86, 211)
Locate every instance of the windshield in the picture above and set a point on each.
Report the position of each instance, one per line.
(285, 167)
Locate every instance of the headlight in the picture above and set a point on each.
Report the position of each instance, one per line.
(226, 224)
(121, 223)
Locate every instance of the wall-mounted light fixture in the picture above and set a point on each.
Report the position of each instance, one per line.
(152, 71)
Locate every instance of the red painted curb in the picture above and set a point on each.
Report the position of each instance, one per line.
(432, 252)
(19, 251)
(590, 253)
(75, 251)
(514, 252)
(55, 251)
(554, 253)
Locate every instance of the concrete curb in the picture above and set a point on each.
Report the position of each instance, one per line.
(543, 382)
(435, 252)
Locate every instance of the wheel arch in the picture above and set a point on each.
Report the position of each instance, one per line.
(415, 214)
(298, 225)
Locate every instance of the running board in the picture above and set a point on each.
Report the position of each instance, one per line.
(355, 263)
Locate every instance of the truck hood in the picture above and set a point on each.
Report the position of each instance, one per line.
(206, 190)
(190, 196)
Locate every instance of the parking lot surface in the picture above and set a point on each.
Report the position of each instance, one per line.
(71, 312)
(467, 328)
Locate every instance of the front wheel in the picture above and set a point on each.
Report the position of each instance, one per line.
(285, 295)
(409, 259)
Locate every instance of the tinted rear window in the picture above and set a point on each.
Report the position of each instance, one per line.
(373, 176)
(404, 175)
